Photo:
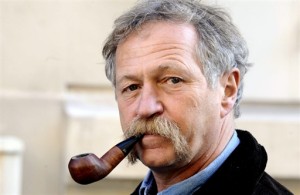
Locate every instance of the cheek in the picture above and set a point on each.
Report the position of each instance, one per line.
(185, 110)
(124, 115)
(196, 115)
(124, 124)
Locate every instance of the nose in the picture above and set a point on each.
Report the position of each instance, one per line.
(149, 103)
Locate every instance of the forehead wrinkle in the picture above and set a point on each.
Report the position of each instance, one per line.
(140, 51)
(174, 56)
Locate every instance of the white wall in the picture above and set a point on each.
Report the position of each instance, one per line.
(50, 57)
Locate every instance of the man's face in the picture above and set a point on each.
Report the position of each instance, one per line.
(158, 75)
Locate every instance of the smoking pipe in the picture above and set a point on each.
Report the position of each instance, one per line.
(88, 168)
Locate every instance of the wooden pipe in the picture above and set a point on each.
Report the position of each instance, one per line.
(88, 168)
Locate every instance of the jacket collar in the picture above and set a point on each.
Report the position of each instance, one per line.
(241, 171)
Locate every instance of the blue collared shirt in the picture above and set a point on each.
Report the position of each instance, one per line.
(190, 185)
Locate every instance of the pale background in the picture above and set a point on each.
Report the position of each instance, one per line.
(55, 98)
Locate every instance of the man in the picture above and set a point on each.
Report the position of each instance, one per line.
(177, 67)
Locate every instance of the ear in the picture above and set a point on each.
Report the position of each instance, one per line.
(230, 82)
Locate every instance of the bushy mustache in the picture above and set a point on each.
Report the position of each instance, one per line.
(153, 126)
(162, 127)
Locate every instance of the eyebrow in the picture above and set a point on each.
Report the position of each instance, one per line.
(162, 68)
(172, 67)
(129, 77)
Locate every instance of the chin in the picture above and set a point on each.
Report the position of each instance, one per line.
(158, 160)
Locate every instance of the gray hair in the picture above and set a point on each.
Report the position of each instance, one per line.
(220, 46)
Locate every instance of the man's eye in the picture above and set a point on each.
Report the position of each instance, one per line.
(174, 80)
(132, 87)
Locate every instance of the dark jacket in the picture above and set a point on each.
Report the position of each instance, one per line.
(243, 172)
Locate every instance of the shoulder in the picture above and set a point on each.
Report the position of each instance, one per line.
(268, 185)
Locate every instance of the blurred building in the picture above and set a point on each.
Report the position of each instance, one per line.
(54, 95)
